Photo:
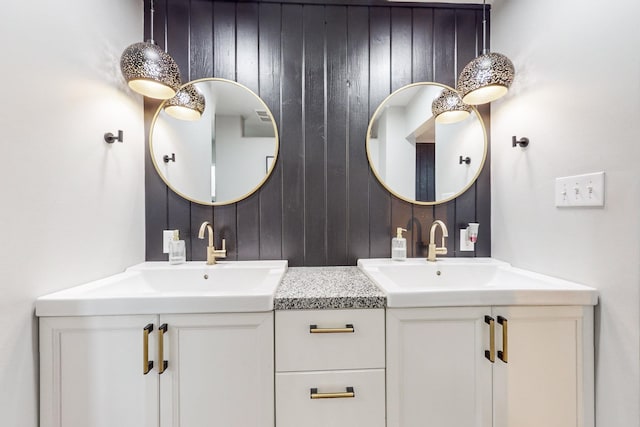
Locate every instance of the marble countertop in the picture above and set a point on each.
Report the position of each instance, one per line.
(327, 288)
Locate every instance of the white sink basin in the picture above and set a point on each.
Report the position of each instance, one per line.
(157, 287)
(469, 282)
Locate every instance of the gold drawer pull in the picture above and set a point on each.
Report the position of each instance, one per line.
(348, 329)
(147, 364)
(491, 353)
(162, 364)
(339, 395)
(504, 354)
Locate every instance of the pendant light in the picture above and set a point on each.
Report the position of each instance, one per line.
(449, 108)
(187, 104)
(487, 77)
(149, 70)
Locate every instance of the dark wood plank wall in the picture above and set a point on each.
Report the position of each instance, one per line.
(322, 69)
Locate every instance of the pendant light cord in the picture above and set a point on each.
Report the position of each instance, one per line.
(484, 27)
(151, 20)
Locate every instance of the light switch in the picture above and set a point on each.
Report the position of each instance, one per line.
(167, 236)
(580, 190)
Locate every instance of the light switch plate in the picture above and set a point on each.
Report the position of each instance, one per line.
(465, 244)
(580, 190)
(167, 236)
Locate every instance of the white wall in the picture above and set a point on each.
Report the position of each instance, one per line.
(72, 205)
(466, 139)
(241, 162)
(191, 142)
(400, 153)
(419, 108)
(577, 97)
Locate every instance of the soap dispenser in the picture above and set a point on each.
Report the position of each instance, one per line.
(177, 252)
(399, 246)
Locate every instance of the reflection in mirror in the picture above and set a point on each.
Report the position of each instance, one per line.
(220, 158)
(417, 159)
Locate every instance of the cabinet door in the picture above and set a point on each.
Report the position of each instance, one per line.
(437, 374)
(91, 372)
(547, 378)
(220, 370)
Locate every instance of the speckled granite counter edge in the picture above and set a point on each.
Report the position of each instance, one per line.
(329, 303)
(306, 288)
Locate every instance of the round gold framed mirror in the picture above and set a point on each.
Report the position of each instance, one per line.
(220, 154)
(415, 158)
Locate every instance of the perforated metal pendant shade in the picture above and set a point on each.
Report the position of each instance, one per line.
(449, 108)
(485, 79)
(149, 70)
(187, 104)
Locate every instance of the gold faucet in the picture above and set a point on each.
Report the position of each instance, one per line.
(212, 252)
(433, 250)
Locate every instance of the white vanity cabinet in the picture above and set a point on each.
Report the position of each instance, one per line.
(219, 370)
(438, 371)
(91, 372)
(330, 368)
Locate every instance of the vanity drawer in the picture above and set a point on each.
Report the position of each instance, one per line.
(296, 408)
(316, 340)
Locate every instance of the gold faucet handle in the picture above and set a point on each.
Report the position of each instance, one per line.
(221, 253)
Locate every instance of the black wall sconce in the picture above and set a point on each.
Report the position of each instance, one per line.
(168, 159)
(465, 160)
(522, 142)
(110, 138)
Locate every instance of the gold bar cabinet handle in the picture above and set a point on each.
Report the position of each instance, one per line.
(504, 354)
(491, 353)
(339, 395)
(162, 364)
(147, 364)
(348, 329)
